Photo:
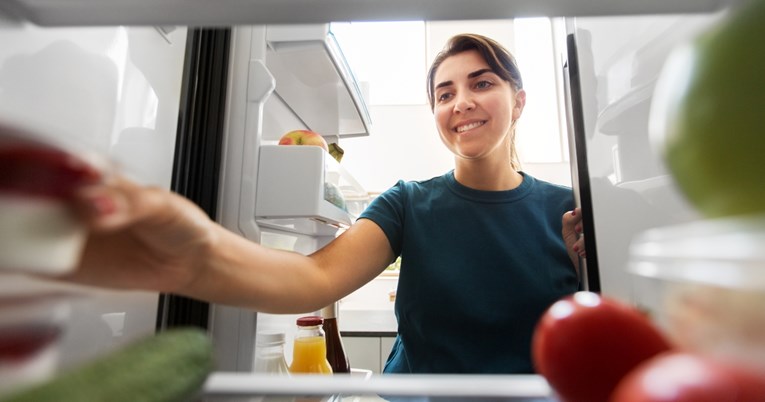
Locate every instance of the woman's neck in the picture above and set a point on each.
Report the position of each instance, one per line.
(486, 175)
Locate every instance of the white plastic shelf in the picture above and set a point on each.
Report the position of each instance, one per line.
(290, 192)
(310, 69)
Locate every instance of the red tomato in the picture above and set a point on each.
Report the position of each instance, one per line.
(683, 377)
(585, 344)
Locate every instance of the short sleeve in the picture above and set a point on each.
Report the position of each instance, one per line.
(388, 212)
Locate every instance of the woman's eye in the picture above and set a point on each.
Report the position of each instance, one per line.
(444, 97)
(483, 84)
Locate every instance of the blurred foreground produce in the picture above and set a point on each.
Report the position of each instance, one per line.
(684, 377)
(707, 114)
(585, 344)
(167, 367)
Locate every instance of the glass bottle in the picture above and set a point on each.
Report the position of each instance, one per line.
(269, 353)
(309, 354)
(336, 355)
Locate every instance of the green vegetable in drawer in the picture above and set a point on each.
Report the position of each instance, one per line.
(167, 367)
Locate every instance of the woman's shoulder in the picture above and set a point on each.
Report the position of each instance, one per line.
(556, 196)
(547, 186)
(420, 185)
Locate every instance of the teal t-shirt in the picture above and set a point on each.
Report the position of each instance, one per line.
(478, 269)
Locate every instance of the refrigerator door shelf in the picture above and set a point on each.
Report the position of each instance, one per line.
(310, 69)
(292, 181)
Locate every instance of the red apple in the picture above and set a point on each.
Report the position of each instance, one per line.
(303, 137)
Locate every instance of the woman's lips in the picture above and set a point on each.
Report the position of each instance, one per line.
(461, 128)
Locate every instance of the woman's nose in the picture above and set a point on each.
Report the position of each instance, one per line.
(463, 103)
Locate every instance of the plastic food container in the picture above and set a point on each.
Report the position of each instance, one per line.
(706, 281)
(31, 329)
(38, 232)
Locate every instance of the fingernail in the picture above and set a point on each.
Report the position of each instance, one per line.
(578, 229)
(576, 249)
(103, 205)
(573, 212)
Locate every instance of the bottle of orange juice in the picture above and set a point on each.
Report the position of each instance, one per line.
(309, 354)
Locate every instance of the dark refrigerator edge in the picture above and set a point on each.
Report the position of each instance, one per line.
(582, 171)
(198, 149)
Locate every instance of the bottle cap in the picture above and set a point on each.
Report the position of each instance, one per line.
(310, 320)
(270, 338)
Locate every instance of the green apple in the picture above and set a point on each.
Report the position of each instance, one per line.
(303, 137)
(709, 110)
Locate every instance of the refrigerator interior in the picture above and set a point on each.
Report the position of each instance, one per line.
(133, 110)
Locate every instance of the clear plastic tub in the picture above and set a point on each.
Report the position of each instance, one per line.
(31, 328)
(707, 279)
(38, 232)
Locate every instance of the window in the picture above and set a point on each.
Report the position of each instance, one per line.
(540, 138)
(388, 59)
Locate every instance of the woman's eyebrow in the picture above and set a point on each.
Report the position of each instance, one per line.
(444, 84)
(479, 72)
(471, 75)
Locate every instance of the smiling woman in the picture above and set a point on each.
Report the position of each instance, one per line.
(390, 61)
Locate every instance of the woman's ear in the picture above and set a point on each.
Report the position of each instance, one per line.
(520, 102)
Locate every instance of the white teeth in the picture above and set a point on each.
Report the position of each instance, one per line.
(462, 129)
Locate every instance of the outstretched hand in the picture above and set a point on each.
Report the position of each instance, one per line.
(572, 235)
(141, 237)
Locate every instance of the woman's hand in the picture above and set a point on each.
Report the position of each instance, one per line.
(572, 235)
(141, 238)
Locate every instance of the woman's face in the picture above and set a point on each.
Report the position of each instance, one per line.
(474, 108)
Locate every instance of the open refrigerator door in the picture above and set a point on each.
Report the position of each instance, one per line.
(296, 198)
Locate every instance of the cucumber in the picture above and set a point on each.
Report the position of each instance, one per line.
(167, 367)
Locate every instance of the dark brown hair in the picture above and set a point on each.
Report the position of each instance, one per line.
(499, 59)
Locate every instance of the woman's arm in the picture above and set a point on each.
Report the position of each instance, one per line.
(152, 239)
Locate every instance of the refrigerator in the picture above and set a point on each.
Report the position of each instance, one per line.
(198, 95)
